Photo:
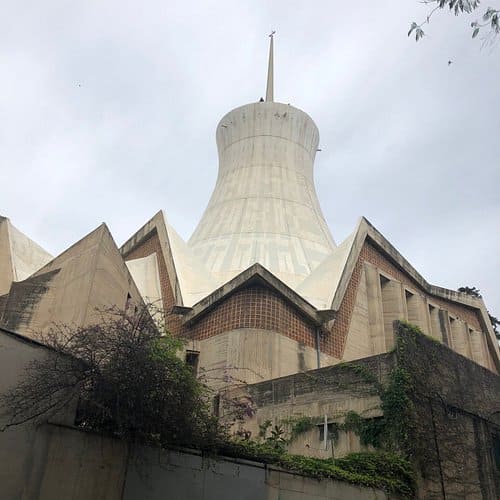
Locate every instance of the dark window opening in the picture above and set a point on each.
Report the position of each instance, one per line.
(216, 405)
(128, 302)
(192, 359)
(333, 431)
(451, 412)
(383, 280)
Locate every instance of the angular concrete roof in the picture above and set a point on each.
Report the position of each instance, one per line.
(257, 274)
(147, 278)
(20, 256)
(326, 286)
(320, 286)
(189, 278)
(72, 288)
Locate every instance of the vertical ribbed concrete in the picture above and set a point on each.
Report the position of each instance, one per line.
(264, 206)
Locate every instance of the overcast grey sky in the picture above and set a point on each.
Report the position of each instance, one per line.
(109, 110)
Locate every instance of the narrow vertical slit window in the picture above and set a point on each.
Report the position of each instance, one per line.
(192, 360)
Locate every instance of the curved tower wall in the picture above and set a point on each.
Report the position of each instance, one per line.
(264, 206)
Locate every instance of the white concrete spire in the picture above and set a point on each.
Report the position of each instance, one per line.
(270, 71)
(264, 207)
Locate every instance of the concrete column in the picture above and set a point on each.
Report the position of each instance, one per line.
(444, 326)
(417, 310)
(393, 307)
(460, 337)
(375, 311)
(478, 348)
(435, 325)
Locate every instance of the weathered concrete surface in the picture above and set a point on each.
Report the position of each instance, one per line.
(20, 256)
(457, 414)
(264, 206)
(331, 391)
(456, 405)
(17, 443)
(74, 465)
(66, 463)
(253, 355)
(188, 475)
(190, 280)
(71, 289)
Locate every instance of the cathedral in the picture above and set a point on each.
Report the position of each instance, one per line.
(261, 291)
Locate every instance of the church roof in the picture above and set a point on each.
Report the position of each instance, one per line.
(190, 280)
(20, 256)
(258, 275)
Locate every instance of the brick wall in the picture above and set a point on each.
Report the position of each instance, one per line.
(255, 307)
(335, 339)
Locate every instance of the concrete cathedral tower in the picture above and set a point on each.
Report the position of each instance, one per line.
(264, 207)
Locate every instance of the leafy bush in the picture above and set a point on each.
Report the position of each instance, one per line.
(128, 381)
(386, 471)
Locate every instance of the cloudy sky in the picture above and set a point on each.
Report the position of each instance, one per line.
(109, 111)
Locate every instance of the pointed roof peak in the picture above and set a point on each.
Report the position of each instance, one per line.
(270, 70)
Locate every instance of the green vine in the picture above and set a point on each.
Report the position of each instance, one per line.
(300, 425)
(386, 471)
(369, 430)
(365, 373)
(394, 430)
(392, 434)
(398, 409)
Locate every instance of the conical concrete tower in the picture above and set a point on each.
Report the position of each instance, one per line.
(264, 207)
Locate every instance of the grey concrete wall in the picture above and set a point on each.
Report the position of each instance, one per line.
(17, 444)
(183, 475)
(253, 355)
(68, 464)
(331, 391)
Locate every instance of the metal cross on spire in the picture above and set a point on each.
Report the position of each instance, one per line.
(270, 71)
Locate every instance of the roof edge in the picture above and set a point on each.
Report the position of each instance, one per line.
(257, 273)
(366, 230)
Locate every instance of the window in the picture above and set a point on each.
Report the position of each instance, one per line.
(192, 358)
(332, 431)
(128, 302)
(216, 405)
(451, 412)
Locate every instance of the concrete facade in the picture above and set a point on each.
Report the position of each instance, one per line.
(260, 282)
(71, 289)
(328, 393)
(57, 461)
(17, 443)
(20, 256)
(360, 290)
